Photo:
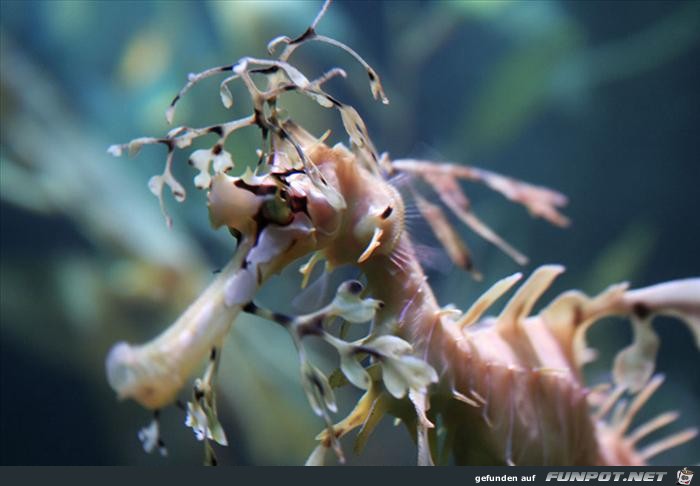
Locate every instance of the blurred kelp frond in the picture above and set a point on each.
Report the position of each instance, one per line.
(36, 119)
(540, 58)
(553, 67)
(81, 183)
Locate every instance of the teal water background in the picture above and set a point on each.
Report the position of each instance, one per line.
(599, 100)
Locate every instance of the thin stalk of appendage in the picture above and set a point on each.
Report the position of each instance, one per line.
(154, 372)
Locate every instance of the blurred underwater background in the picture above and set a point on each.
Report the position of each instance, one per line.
(600, 100)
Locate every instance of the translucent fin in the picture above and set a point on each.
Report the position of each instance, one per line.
(314, 296)
(432, 258)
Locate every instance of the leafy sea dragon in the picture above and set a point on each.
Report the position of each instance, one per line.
(480, 389)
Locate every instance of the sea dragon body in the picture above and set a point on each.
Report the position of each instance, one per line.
(480, 389)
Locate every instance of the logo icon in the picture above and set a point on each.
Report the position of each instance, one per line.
(685, 476)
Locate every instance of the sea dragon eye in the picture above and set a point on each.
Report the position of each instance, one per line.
(277, 210)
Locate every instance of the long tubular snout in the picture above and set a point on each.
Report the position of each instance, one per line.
(153, 373)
